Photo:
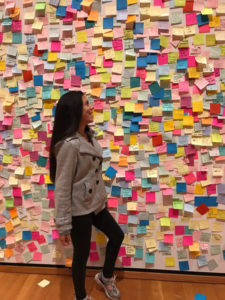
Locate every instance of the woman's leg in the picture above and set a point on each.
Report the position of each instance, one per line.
(81, 237)
(106, 223)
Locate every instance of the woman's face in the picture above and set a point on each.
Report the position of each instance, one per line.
(87, 115)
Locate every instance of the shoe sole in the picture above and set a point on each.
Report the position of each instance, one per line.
(102, 285)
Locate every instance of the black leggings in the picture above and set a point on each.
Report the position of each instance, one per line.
(81, 237)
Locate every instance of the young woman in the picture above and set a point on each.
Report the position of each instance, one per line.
(80, 196)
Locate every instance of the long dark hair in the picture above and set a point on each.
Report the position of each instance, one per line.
(68, 114)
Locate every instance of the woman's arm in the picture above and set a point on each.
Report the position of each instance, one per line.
(66, 157)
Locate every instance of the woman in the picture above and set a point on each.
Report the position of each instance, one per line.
(80, 196)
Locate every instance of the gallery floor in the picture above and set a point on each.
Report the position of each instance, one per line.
(24, 286)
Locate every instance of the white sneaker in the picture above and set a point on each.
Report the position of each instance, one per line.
(109, 285)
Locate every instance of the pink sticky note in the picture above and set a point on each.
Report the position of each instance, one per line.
(75, 80)
(191, 62)
(113, 202)
(17, 192)
(168, 238)
(107, 63)
(122, 219)
(150, 197)
(183, 53)
(37, 256)
(179, 230)
(17, 133)
(94, 256)
(16, 26)
(134, 195)
(183, 86)
(126, 261)
(35, 235)
(163, 59)
(93, 246)
(191, 19)
(173, 213)
(117, 44)
(32, 247)
(55, 234)
(129, 175)
(204, 28)
(122, 251)
(187, 240)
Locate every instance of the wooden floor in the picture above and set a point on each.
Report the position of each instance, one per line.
(20, 286)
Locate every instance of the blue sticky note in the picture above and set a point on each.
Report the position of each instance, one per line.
(153, 158)
(224, 254)
(152, 58)
(121, 4)
(13, 89)
(144, 222)
(30, 92)
(199, 297)
(208, 201)
(181, 187)
(3, 243)
(136, 118)
(115, 190)
(159, 94)
(134, 127)
(142, 61)
(76, 4)
(202, 19)
(107, 23)
(171, 148)
(139, 44)
(145, 183)
(153, 102)
(2, 232)
(155, 44)
(26, 235)
(183, 265)
(61, 11)
(182, 64)
(149, 258)
(110, 172)
(80, 68)
(138, 28)
(38, 80)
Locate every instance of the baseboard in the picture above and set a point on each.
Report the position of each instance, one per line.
(126, 274)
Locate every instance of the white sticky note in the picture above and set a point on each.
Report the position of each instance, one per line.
(43, 283)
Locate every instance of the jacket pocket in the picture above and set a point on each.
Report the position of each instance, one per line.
(89, 191)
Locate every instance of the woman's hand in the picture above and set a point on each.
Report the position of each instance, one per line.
(65, 239)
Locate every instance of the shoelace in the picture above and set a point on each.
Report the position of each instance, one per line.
(111, 284)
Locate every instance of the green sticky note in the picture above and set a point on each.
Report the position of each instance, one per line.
(138, 253)
(154, 87)
(40, 6)
(177, 204)
(9, 203)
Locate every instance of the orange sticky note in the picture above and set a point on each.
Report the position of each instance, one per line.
(131, 19)
(13, 212)
(123, 161)
(8, 252)
(96, 91)
(68, 262)
(8, 226)
(93, 16)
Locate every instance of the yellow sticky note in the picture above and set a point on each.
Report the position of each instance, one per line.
(165, 221)
(28, 171)
(178, 114)
(2, 65)
(199, 189)
(164, 41)
(168, 125)
(100, 238)
(188, 121)
(198, 39)
(169, 261)
(125, 92)
(210, 40)
(129, 106)
(197, 106)
(133, 139)
(194, 247)
(52, 56)
(47, 179)
(44, 283)
(81, 36)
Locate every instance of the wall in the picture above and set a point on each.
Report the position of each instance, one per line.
(155, 74)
